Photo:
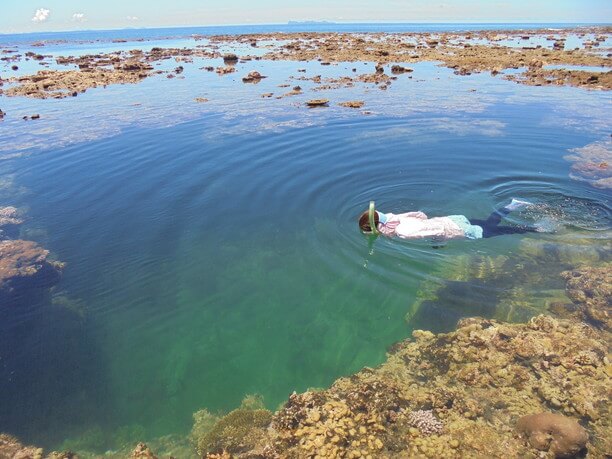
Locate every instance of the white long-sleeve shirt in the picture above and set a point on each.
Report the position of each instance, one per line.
(416, 225)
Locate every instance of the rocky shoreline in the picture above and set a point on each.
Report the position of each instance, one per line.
(465, 53)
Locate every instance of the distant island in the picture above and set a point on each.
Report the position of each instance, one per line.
(310, 22)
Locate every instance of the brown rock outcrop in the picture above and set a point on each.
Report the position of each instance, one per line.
(317, 102)
(253, 77)
(59, 84)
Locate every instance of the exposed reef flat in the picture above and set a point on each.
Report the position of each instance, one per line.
(466, 53)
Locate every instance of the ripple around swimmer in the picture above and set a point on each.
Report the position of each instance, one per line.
(215, 266)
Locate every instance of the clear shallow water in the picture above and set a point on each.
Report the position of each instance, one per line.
(212, 249)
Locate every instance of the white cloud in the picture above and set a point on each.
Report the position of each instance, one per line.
(41, 15)
(132, 18)
(79, 17)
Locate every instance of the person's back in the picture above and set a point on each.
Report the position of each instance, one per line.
(416, 225)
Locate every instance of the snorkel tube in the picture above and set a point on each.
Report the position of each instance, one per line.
(371, 219)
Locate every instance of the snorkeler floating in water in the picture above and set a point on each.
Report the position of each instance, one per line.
(417, 225)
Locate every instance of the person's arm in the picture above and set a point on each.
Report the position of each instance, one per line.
(418, 214)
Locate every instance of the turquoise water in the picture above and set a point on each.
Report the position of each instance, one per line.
(212, 249)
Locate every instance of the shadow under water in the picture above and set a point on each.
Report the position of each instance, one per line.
(45, 349)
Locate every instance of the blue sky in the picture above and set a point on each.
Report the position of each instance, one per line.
(48, 15)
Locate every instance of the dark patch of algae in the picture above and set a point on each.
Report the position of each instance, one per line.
(448, 395)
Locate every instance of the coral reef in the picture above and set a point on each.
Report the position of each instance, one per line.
(591, 163)
(468, 393)
(240, 430)
(9, 216)
(590, 288)
(560, 435)
(425, 421)
(25, 263)
(478, 381)
(12, 448)
(142, 451)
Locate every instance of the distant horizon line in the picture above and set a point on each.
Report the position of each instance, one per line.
(307, 22)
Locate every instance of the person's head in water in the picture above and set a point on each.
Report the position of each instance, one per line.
(364, 221)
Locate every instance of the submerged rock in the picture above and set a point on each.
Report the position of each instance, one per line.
(590, 288)
(558, 434)
(24, 264)
(9, 216)
(225, 70)
(11, 447)
(352, 104)
(593, 163)
(142, 451)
